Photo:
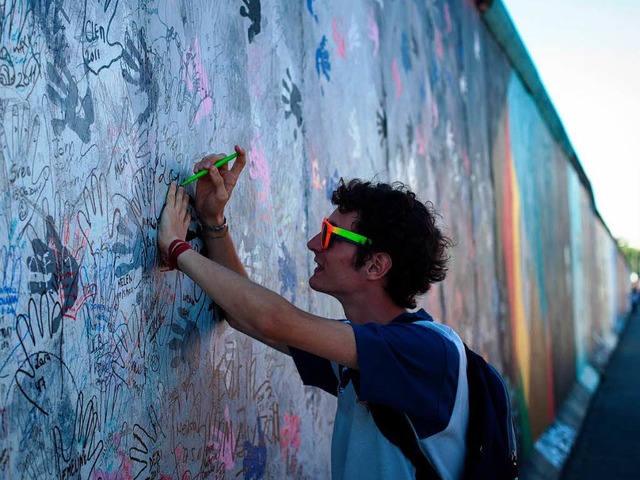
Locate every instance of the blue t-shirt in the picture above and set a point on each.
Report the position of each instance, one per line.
(415, 368)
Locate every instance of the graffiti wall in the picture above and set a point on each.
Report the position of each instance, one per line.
(113, 367)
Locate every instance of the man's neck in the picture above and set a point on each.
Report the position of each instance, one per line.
(380, 310)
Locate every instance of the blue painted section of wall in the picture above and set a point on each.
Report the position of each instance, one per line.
(580, 313)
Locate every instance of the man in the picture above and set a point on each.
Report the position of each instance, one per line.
(377, 251)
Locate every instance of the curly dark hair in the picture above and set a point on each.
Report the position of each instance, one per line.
(401, 226)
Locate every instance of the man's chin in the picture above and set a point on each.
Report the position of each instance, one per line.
(313, 284)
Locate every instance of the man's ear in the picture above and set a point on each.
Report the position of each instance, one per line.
(378, 265)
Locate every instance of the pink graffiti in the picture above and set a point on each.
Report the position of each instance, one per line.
(126, 468)
(338, 37)
(422, 138)
(223, 443)
(374, 33)
(259, 169)
(290, 439)
(396, 77)
(439, 48)
(318, 184)
(447, 17)
(466, 163)
(290, 433)
(180, 458)
(316, 181)
(434, 113)
(178, 452)
(105, 475)
(196, 78)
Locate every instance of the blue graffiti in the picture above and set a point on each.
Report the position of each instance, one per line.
(254, 463)
(11, 265)
(323, 65)
(287, 273)
(434, 73)
(332, 184)
(406, 54)
(310, 8)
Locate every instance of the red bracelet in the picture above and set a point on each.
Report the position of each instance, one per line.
(177, 248)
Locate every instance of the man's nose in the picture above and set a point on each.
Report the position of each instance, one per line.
(314, 244)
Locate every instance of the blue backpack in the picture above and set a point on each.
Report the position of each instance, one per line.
(491, 442)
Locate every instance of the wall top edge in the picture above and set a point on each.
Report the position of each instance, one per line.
(499, 23)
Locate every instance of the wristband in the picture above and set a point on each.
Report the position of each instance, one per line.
(210, 236)
(217, 228)
(176, 248)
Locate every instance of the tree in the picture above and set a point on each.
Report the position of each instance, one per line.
(631, 254)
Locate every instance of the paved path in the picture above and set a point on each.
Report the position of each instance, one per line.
(608, 446)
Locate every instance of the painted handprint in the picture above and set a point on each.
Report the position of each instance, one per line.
(251, 10)
(147, 451)
(292, 98)
(77, 113)
(21, 48)
(137, 69)
(254, 463)
(323, 64)
(36, 461)
(57, 269)
(43, 378)
(77, 455)
(19, 173)
(381, 121)
(410, 133)
(55, 19)
(37, 328)
(186, 344)
(188, 428)
(141, 216)
(131, 344)
(96, 219)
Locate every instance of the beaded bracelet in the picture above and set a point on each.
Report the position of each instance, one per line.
(217, 228)
(177, 248)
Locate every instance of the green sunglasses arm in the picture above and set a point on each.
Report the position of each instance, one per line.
(354, 237)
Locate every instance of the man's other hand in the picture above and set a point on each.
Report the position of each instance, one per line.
(175, 218)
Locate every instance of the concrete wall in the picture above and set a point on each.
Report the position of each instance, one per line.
(112, 368)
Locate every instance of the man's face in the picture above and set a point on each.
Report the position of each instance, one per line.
(334, 273)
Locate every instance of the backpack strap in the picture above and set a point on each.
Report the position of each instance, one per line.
(397, 428)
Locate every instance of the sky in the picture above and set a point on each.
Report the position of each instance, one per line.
(587, 54)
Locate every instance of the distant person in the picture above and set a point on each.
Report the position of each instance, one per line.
(375, 253)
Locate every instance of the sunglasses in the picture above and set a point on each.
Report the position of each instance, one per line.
(329, 231)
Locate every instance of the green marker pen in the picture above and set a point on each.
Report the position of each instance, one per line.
(202, 173)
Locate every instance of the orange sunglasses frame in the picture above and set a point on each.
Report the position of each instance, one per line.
(341, 233)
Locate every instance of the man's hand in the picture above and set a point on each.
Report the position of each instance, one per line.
(213, 191)
(175, 218)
